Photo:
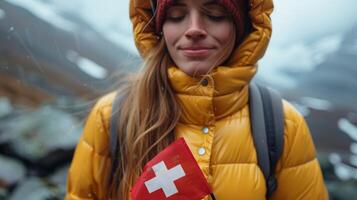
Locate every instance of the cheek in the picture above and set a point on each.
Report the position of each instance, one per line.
(224, 34)
(170, 34)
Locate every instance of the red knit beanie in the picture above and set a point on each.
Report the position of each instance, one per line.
(238, 8)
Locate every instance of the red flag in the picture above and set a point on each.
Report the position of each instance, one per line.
(173, 174)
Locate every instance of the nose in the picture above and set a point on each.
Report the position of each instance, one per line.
(196, 29)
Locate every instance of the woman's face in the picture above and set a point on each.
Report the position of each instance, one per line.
(199, 35)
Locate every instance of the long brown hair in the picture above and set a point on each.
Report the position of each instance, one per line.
(147, 119)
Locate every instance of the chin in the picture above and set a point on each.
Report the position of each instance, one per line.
(196, 68)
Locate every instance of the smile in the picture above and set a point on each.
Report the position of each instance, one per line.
(196, 52)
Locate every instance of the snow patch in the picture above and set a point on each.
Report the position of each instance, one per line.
(342, 171)
(86, 65)
(2, 14)
(316, 103)
(335, 158)
(353, 148)
(5, 107)
(348, 128)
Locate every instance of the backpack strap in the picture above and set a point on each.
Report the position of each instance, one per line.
(267, 123)
(114, 143)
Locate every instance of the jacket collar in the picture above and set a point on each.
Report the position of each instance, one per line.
(226, 93)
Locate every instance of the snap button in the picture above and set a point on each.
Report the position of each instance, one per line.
(204, 82)
(205, 130)
(201, 151)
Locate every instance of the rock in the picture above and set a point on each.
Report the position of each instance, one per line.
(35, 134)
(327, 167)
(342, 190)
(11, 171)
(35, 189)
(3, 193)
(59, 178)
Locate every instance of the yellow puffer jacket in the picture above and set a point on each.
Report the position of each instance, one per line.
(215, 124)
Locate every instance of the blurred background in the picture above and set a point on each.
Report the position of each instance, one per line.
(58, 56)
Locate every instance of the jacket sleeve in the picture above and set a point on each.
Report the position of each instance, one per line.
(90, 164)
(298, 172)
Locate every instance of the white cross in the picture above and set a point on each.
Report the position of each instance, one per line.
(165, 179)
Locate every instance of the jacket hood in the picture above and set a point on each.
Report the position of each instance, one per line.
(248, 52)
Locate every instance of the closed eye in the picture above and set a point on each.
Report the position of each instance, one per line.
(175, 19)
(217, 18)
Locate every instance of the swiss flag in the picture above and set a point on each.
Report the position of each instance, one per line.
(173, 174)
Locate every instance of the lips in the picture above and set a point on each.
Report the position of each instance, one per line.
(196, 51)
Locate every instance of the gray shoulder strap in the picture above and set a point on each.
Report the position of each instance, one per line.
(258, 129)
(267, 123)
(114, 125)
(274, 123)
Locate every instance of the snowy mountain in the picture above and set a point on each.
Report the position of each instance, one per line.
(334, 79)
(109, 18)
(58, 54)
(305, 34)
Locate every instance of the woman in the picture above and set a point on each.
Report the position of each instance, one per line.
(199, 59)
